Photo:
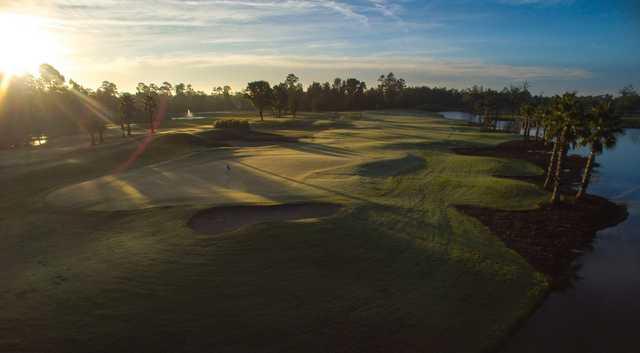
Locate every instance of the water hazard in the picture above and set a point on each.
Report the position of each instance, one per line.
(501, 125)
(602, 311)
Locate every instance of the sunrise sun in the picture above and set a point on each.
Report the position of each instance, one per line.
(26, 44)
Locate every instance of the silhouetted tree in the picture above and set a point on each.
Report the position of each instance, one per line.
(166, 89)
(142, 88)
(391, 88)
(280, 98)
(598, 130)
(91, 115)
(294, 93)
(354, 90)
(150, 106)
(540, 116)
(51, 77)
(107, 97)
(489, 108)
(315, 96)
(628, 102)
(260, 94)
(527, 111)
(568, 111)
(552, 127)
(127, 109)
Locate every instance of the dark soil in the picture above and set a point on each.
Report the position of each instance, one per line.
(220, 220)
(549, 237)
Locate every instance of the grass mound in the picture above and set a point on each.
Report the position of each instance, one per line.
(303, 124)
(162, 147)
(391, 167)
(218, 136)
(219, 220)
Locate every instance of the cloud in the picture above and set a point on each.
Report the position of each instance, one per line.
(343, 9)
(177, 13)
(202, 41)
(386, 8)
(381, 63)
(537, 2)
(390, 10)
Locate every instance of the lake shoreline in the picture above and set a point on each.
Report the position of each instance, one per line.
(549, 237)
(631, 122)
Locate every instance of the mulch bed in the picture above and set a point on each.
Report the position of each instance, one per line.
(549, 237)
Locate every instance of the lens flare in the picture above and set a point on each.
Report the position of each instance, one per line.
(25, 44)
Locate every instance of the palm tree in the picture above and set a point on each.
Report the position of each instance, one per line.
(127, 107)
(488, 107)
(527, 111)
(569, 113)
(539, 116)
(599, 130)
(150, 106)
(552, 127)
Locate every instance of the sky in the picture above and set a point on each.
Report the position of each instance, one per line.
(591, 46)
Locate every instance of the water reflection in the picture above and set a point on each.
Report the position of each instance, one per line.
(601, 312)
(39, 141)
(190, 118)
(501, 125)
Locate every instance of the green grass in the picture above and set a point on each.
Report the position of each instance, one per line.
(399, 269)
(391, 167)
(302, 123)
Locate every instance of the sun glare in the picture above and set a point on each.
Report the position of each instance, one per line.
(25, 44)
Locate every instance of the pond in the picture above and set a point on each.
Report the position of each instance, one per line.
(602, 311)
(501, 125)
(189, 116)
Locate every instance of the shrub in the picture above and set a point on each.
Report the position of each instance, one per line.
(232, 124)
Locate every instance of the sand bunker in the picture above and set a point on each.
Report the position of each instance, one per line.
(220, 220)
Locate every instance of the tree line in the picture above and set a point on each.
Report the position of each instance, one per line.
(391, 92)
(49, 105)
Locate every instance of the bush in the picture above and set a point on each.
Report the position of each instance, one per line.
(232, 124)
